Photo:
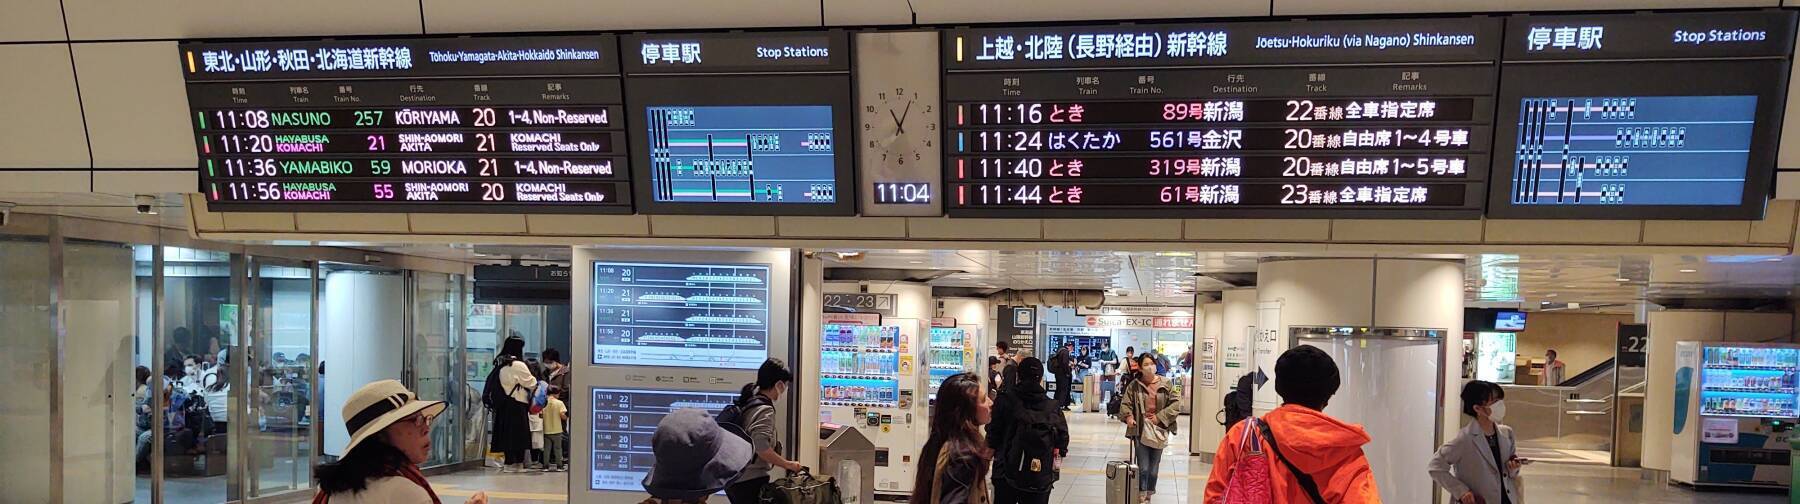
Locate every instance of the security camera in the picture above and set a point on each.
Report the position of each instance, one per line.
(6, 210)
(146, 204)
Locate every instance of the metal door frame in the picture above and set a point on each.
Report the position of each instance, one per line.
(241, 473)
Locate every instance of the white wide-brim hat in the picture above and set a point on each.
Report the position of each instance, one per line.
(379, 404)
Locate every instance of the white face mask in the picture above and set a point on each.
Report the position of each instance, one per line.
(1497, 411)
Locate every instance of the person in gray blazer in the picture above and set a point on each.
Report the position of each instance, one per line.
(1480, 465)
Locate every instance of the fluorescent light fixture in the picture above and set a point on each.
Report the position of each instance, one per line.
(1689, 270)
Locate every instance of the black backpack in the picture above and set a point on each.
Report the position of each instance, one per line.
(491, 394)
(734, 415)
(1029, 459)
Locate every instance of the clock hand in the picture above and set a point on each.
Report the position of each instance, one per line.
(899, 125)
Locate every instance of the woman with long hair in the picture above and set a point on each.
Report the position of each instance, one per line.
(953, 465)
(1151, 412)
(390, 435)
(512, 427)
(756, 406)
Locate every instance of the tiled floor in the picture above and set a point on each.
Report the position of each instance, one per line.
(1097, 439)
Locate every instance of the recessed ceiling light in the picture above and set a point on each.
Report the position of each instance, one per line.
(1689, 270)
(915, 262)
(1622, 279)
(1553, 294)
(965, 277)
(1568, 286)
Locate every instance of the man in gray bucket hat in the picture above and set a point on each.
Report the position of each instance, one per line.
(695, 457)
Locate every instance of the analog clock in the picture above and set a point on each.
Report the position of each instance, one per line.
(898, 131)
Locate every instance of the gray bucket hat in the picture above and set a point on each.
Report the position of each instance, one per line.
(695, 457)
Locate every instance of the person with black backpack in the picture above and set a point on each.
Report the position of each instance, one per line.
(1063, 366)
(508, 394)
(752, 417)
(1029, 437)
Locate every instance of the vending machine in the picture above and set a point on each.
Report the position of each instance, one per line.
(1735, 407)
(870, 379)
(952, 351)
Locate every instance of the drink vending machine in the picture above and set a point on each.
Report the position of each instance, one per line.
(1735, 407)
(870, 378)
(951, 351)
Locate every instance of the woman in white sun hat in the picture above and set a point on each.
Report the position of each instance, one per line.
(390, 435)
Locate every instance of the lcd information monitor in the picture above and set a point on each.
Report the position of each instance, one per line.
(681, 315)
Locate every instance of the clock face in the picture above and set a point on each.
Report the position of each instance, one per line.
(900, 126)
(898, 132)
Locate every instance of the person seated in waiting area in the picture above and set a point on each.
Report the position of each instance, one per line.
(390, 435)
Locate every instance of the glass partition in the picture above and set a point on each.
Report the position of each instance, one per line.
(435, 342)
(279, 348)
(99, 311)
(30, 344)
(199, 311)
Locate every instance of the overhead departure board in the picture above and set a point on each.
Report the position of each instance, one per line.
(1291, 119)
(1672, 116)
(741, 123)
(421, 125)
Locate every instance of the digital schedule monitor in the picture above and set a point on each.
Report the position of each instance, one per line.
(623, 420)
(741, 123)
(1320, 119)
(483, 124)
(681, 314)
(1671, 116)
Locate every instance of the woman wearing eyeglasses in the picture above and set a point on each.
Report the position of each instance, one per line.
(390, 435)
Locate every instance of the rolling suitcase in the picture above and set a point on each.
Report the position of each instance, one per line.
(1122, 480)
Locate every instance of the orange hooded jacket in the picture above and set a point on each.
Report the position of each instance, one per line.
(1327, 449)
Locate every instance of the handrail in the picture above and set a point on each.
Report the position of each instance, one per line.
(1591, 373)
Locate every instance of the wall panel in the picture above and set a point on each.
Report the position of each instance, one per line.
(43, 113)
(959, 11)
(474, 16)
(32, 21)
(188, 19)
(1294, 7)
(136, 105)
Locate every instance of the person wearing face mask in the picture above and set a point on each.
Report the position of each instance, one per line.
(757, 404)
(1480, 465)
(390, 435)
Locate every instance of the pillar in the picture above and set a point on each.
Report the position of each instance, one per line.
(1379, 390)
(1209, 326)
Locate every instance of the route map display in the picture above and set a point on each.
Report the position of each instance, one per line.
(419, 125)
(741, 123)
(715, 154)
(1596, 125)
(681, 315)
(623, 422)
(1241, 119)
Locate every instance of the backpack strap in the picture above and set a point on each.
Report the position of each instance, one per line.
(1305, 480)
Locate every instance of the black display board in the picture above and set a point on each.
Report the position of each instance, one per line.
(1641, 116)
(496, 124)
(1377, 118)
(741, 123)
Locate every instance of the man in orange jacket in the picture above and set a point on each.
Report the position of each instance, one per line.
(1328, 450)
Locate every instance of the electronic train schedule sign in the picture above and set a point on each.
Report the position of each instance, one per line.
(1641, 116)
(410, 125)
(741, 123)
(1290, 119)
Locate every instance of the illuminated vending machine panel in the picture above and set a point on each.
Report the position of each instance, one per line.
(868, 380)
(949, 353)
(1740, 404)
